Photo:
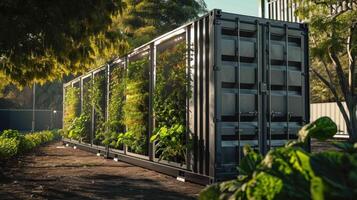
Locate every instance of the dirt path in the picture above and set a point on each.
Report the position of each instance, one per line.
(53, 172)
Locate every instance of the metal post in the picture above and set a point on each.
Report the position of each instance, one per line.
(152, 69)
(33, 106)
(107, 105)
(262, 4)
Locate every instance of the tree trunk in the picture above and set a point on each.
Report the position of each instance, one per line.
(353, 122)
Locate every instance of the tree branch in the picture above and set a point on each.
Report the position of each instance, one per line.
(334, 92)
(352, 59)
(340, 74)
(327, 71)
(327, 83)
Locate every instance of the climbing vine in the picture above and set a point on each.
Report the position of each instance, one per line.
(170, 104)
(87, 111)
(96, 95)
(71, 105)
(115, 123)
(136, 107)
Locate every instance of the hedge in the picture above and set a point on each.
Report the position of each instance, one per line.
(13, 142)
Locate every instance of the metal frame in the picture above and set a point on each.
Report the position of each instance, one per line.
(204, 109)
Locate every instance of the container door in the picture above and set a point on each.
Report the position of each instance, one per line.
(284, 77)
(239, 96)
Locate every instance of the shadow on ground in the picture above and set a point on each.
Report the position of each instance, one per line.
(54, 173)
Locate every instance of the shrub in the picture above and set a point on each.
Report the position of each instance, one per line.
(292, 173)
(8, 147)
(12, 142)
(14, 134)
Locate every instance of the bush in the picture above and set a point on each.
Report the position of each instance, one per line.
(14, 134)
(292, 173)
(8, 148)
(12, 142)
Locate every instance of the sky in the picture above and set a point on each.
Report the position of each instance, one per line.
(244, 7)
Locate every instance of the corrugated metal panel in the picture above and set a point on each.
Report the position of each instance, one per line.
(331, 110)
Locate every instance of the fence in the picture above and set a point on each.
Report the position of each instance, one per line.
(21, 119)
(331, 110)
(282, 10)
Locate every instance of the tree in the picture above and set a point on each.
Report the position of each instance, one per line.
(42, 40)
(143, 20)
(333, 45)
(70, 37)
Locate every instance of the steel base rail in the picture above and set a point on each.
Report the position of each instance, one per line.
(158, 167)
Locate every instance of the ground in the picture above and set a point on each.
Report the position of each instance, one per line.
(55, 172)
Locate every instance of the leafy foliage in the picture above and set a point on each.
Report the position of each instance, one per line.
(78, 128)
(143, 20)
(136, 107)
(97, 99)
(323, 125)
(333, 50)
(170, 144)
(12, 142)
(42, 40)
(170, 103)
(71, 105)
(292, 173)
(115, 124)
(8, 147)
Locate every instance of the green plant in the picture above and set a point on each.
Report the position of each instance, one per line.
(8, 147)
(12, 142)
(78, 128)
(292, 173)
(170, 144)
(115, 124)
(87, 110)
(135, 108)
(71, 105)
(322, 125)
(134, 141)
(14, 134)
(96, 96)
(171, 92)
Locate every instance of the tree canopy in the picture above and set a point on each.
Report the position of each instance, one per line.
(40, 40)
(333, 48)
(47, 40)
(43, 40)
(143, 20)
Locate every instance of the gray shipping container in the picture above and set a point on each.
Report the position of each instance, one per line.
(249, 84)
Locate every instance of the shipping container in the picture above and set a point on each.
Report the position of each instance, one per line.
(188, 101)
